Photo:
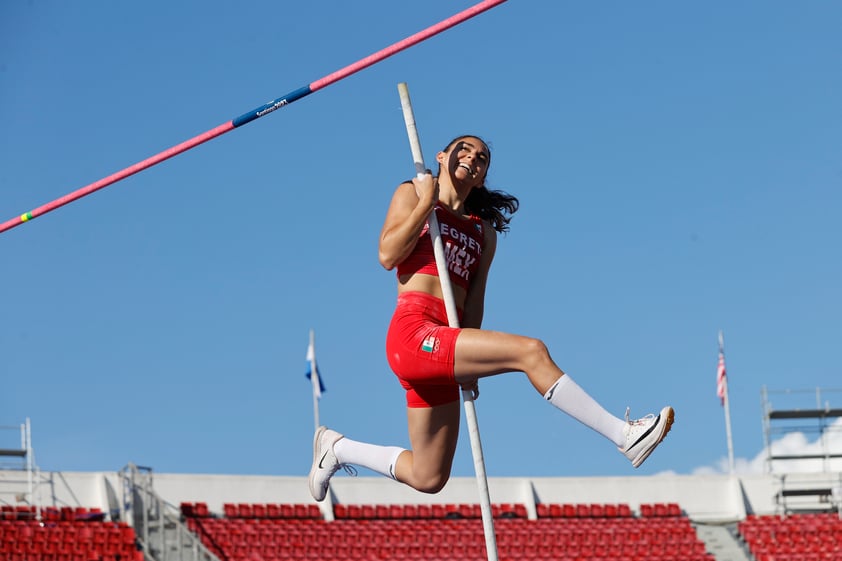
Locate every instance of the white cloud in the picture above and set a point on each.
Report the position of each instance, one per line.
(792, 443)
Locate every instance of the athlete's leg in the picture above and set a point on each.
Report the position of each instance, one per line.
(433, 433)
(481, 353)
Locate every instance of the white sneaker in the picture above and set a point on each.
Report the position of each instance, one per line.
(325, 463)
(643, 435)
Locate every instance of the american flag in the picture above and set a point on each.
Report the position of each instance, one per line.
(720, 372)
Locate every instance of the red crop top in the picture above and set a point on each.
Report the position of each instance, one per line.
(463, 240)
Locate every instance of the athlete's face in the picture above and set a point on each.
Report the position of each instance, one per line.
(466, 161)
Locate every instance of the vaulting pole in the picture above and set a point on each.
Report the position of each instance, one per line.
(254, 114)
(453, 321)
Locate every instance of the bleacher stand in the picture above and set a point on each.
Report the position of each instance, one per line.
(564, 532)
(800, 537)
(64, 534)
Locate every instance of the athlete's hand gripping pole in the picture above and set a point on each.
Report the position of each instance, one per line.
(453, 321)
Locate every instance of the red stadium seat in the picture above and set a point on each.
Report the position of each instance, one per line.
(187, 509)
(502, 510)
(273, 510)
(25, 512)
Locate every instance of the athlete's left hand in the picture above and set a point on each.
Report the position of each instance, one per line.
(473, 387)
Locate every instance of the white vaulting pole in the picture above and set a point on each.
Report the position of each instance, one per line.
(453, 321)
(435, 233)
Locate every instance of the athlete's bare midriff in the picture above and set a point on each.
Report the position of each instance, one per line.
(430, 284)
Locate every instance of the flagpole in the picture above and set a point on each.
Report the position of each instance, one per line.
(314, 378)
(728, 432)
(727, 407)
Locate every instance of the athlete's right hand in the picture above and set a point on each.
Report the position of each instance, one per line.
(427, 189)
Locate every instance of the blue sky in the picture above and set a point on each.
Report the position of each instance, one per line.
(679, 167)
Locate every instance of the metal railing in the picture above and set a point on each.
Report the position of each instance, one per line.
(157, 523)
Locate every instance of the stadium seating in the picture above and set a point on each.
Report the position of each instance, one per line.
(580, 532)
(798, 537)
(65, 534)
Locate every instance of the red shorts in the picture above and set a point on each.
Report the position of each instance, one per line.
(420, 348)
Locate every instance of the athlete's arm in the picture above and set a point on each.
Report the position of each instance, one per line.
(411, 205)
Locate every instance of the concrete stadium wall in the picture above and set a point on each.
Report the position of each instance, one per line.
(56, 489)
(705, 498)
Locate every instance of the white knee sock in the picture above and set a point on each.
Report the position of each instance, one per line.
(570, 398)
(381, 459)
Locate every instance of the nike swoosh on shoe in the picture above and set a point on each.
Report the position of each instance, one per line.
(322, 460)
(645, 434)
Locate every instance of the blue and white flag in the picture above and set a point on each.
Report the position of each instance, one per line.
(318, 389)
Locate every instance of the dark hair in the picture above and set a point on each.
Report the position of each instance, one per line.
(486, 203)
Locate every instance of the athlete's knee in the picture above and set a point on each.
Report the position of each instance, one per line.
(534, 353)
(432, 484)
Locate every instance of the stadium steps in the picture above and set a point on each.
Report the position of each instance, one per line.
(720, 541)
(161, 532)
(167, 538)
